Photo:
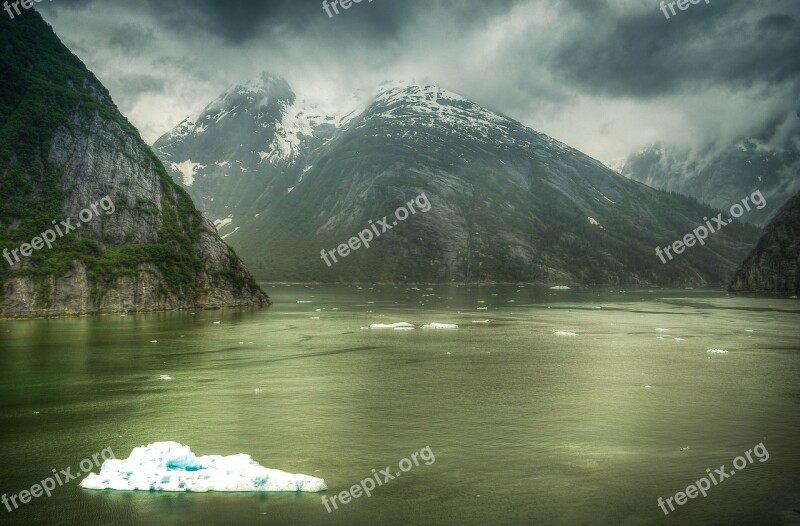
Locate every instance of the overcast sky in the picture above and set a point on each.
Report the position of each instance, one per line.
(607, 77)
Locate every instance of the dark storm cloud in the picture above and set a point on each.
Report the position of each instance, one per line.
(734, 44)
(238, 21)
(603, 75)
(131, 38)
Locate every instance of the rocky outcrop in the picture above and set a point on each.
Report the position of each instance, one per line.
(774, 265)
(63, 147)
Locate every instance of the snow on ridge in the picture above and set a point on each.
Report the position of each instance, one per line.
(187, 169)
(170, 466)
(229, 233)
(222, 223)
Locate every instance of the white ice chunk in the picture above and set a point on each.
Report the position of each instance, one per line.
(169, 466)
(481, 321)
(440, 326)
(399, 325)
(564, 333)
(662, 330)
(717, 351)
(560, 287)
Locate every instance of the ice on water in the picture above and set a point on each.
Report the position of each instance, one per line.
(169, 466)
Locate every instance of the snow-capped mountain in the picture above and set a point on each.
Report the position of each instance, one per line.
(244, 148)
(508, 203)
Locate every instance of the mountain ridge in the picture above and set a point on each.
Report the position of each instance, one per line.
(538, 205)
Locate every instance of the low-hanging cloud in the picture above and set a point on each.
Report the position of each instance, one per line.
(604, 76)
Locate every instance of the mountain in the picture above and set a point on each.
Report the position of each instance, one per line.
(245, 149)
(720, 177)
(508, 204)
(774, 265)
(129, 239)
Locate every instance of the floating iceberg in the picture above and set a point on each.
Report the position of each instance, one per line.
(716, 351)
(400, 325)
(169, 466)
(564, 333)
(481, 321)
(440, 326)
(662, 330)
(560, 287)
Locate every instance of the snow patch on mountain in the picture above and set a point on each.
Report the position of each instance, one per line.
(188, 170)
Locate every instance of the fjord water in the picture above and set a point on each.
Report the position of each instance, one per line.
(526, 427)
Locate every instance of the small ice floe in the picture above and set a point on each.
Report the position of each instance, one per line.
(122, 315)
(481, 301)
(400, 325)
(678, 339)
(364, 328)
(169, 466)
(217, 322)
(481, 321)
(258, 390)
(483, 308)
(303, 301)
(684, 448)
(564, 333)
(165, 377)
(440, 326)
(448, 352)
(659, 337)
(314, 318)
(560, 287)
(648, 386)
(153, 341)
(662, 330)
(36, 412)
(749, 330)
(717, 351)
(317, 310)
(596, 308)
(511, 301)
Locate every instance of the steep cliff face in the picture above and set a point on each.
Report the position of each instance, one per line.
(774, 265)
(64, 147)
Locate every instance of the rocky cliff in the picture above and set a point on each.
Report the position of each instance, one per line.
(774, 265)
(64, 147)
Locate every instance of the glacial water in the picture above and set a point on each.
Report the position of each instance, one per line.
(527, 427)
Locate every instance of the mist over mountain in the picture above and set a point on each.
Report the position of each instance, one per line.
(508, 203)
(721, 175)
